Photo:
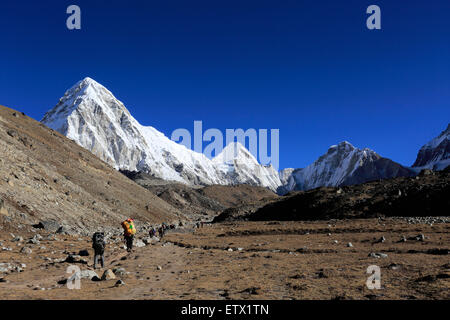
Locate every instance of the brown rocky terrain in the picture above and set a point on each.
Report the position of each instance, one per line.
(306, 245)
(45, 176)
(243, 260)
(202, 203)
(424, 195)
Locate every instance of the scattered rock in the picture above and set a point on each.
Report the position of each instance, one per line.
(394, 266)
(381, 240)
(5, 267)
(48, 225)
(84, 274)
(35, 239)
(119, 283)
(71, 258)
(139, 243)
(322, 274)
(251, 290)
(147, 240)
(26, 250)
(119, 271)
(108, 275)
(350, 245)
(426, 172)
(17, 239)
(83, 253)
(378, 255)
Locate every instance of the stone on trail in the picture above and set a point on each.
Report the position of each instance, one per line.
(119, 283)
(35, 240)
(26, 250)
(119, 271)
(377, 255)
(381, 240)
(108, 275)
(49, 225)
(71, 258)
(84, 274)
(17, 239)
(139, 243)
(5, 267)
(83, 253)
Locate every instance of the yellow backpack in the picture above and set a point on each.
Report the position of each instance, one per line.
(129, 227)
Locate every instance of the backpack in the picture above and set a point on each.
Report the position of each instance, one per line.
(98, 242)
(129, 228)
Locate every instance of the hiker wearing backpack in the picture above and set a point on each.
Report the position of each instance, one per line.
(129, 230)
(98, 244)
(161, 232)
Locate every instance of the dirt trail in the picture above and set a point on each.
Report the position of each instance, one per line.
(263, 263)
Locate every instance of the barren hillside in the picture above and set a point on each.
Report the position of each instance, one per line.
(45, 176)
(202, 203)
(424, 195)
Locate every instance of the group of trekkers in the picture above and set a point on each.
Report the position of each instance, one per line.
(129, 230)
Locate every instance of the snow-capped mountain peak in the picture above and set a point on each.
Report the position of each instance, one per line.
(436, 153)
(343, 164)
(89, 114)
(234, 152)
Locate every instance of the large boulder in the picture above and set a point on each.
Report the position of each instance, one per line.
(108, 275)
(83, 274)
(139, 243)
(49, 225)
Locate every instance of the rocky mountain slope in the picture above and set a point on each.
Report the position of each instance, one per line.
(436, 153)
(90, 115)
(343, 164)
(423, 195)
(45, 176)
(201, 203)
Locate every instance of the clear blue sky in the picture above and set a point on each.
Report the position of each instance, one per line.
(310, 68)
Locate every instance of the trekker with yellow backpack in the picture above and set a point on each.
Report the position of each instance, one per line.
(129, 230)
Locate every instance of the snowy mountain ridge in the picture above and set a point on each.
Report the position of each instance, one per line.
(343, 164)
(436, 153)
(89, 114)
